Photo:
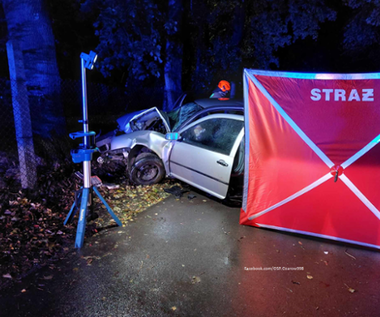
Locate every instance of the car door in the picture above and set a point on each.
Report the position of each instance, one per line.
(204, 155)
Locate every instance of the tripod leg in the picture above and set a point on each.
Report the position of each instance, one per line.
(69, 214)
(82, 218)
(108, 208)
(74, 207)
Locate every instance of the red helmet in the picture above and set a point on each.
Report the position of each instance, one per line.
(224, 85)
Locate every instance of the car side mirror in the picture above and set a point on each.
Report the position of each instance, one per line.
(173, 136)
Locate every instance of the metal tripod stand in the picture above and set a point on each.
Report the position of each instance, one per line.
(84, 154)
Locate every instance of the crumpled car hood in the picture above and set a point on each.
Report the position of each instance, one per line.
(141, 120)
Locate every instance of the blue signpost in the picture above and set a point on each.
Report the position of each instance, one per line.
(84, 154)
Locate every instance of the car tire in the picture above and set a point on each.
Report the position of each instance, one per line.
(147, 169)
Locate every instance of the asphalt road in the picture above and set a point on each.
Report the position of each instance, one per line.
(192, 258)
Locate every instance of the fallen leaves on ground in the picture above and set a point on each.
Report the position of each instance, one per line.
(128, 201)
(195, 280)
(350, 289)
(32, 233)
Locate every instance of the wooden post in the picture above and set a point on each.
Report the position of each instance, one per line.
(22, 119)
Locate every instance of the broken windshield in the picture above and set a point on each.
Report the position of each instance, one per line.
(180, 115)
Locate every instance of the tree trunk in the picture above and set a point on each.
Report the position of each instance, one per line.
(174, 55)
(200, 79)
(21, 114)
(29, 27)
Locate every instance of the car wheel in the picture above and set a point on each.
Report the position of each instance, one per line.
(147, 169)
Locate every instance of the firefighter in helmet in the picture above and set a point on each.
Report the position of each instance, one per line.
(223, 90)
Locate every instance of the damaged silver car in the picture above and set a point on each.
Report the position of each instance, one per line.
(199, 142)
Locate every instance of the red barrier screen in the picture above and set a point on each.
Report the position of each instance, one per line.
(312, 154)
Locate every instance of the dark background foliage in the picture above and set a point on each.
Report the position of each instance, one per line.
(218, 39)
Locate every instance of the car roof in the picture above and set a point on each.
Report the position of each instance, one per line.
(214, 102)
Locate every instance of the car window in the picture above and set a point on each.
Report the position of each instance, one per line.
(217, 134)
(180, 115)
(207, 112)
